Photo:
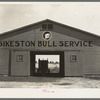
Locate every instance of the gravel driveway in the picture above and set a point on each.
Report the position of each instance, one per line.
(49, 82)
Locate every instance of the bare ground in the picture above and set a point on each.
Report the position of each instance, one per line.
(49, 82)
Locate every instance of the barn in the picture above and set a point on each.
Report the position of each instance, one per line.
(49, 48)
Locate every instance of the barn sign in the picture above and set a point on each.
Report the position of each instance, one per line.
(46, 43)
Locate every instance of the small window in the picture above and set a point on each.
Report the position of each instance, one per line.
(47, 27)
(50, 26)
(73, 58)
(19, 58)
(44, 26)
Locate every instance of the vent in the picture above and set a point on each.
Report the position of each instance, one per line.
(50, 26)
(47, 27)
(44, 26)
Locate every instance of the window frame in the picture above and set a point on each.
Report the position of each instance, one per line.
(73, 58)
(19, 58)
(47, 27)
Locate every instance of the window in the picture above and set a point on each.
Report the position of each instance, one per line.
(19, 58)
(50, 26)
(44, 26)
(47, 26)
(73, 58)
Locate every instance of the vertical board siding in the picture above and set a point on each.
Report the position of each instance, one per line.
(20, 68)
(4, 61)
(73, 68)
(92, 62)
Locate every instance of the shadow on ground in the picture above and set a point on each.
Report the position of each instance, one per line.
(30, 79)
(93, 78)
(63, 83)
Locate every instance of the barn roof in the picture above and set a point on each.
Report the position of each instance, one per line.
(27, 27)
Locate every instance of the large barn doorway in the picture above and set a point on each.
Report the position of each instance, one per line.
(46, 63)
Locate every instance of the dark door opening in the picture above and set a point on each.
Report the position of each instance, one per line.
(46, 63)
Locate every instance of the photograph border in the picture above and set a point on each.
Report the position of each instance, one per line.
(73, 98)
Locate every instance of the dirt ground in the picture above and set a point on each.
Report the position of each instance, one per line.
(49, 82)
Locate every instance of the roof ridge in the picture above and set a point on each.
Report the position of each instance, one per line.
(26, 26)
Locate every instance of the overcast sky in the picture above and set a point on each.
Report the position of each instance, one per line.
(82, 15)
(54, 58)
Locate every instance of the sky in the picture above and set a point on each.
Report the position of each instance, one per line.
(81, 15)
(54, 58)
